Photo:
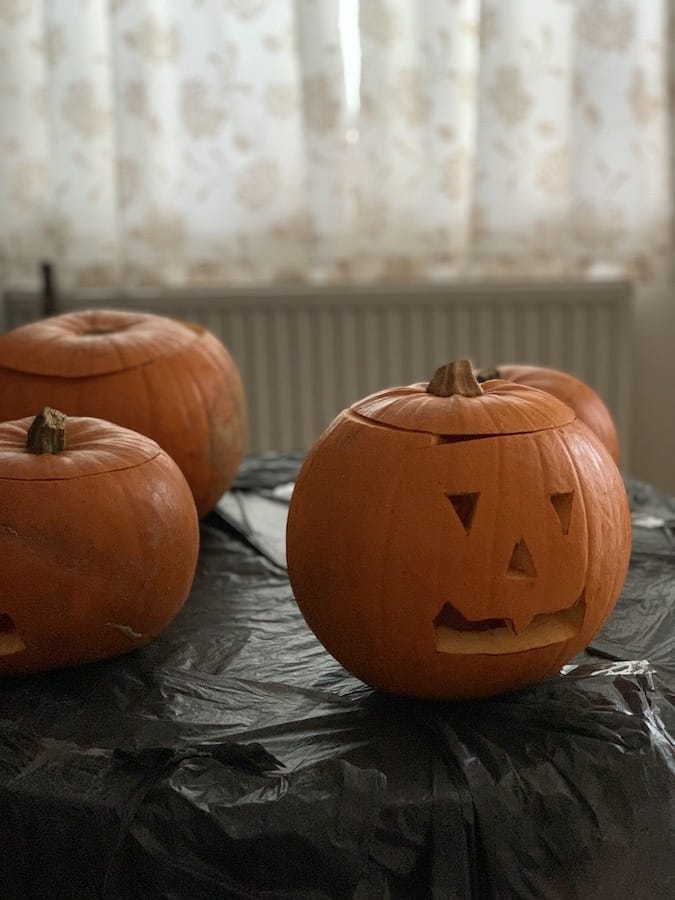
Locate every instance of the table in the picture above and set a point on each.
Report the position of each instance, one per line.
(233, 757)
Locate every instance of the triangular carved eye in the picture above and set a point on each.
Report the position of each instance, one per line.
(521, 564)
(562, 504)
(465, 507)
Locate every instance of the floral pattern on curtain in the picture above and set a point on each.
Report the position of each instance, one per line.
(204, 142)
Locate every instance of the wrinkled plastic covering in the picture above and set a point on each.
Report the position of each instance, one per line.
(235, 758)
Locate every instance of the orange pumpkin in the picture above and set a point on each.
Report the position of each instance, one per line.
(172, 381)
(451, 540)
(98, 541)
(585, 402)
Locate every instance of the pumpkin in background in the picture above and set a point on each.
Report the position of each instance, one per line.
(98, 541)
(172, 381)
(585, 402)
(453, 540)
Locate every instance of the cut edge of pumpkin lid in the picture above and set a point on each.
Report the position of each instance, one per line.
(91, 342)
(502, 408)
(87, 451)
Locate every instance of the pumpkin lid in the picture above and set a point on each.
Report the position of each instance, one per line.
(93, 342)
(493, 408)
(92, 447)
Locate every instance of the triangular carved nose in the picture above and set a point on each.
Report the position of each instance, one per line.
(521, 564)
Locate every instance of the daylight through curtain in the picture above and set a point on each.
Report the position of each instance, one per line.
(210, 142)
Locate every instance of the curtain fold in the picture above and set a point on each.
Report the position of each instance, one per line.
(418, 122)
(327, 216)
(206, 142)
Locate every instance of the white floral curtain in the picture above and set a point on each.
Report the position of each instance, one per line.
(211, 142)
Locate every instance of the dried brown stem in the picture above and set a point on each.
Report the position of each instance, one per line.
(455, 378)
(487, 374)
(47, 433)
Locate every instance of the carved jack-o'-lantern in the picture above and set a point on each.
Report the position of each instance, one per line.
(454, 540)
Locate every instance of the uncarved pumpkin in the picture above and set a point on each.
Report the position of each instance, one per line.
(451, 540)
(98, 541)
(586, 403)
(172, 381)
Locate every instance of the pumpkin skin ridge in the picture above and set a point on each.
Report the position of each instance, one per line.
(216, 452)
(620, 577)
(216, 455)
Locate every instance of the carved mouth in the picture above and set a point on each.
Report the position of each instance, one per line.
(455, 634)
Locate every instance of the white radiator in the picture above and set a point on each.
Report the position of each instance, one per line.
(307, 352)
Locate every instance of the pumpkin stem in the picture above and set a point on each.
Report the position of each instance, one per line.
(455, 378)
(47, 433)
(487, 374)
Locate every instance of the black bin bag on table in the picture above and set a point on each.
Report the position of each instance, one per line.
(234, 758)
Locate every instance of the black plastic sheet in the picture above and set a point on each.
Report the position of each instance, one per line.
(234, 757)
